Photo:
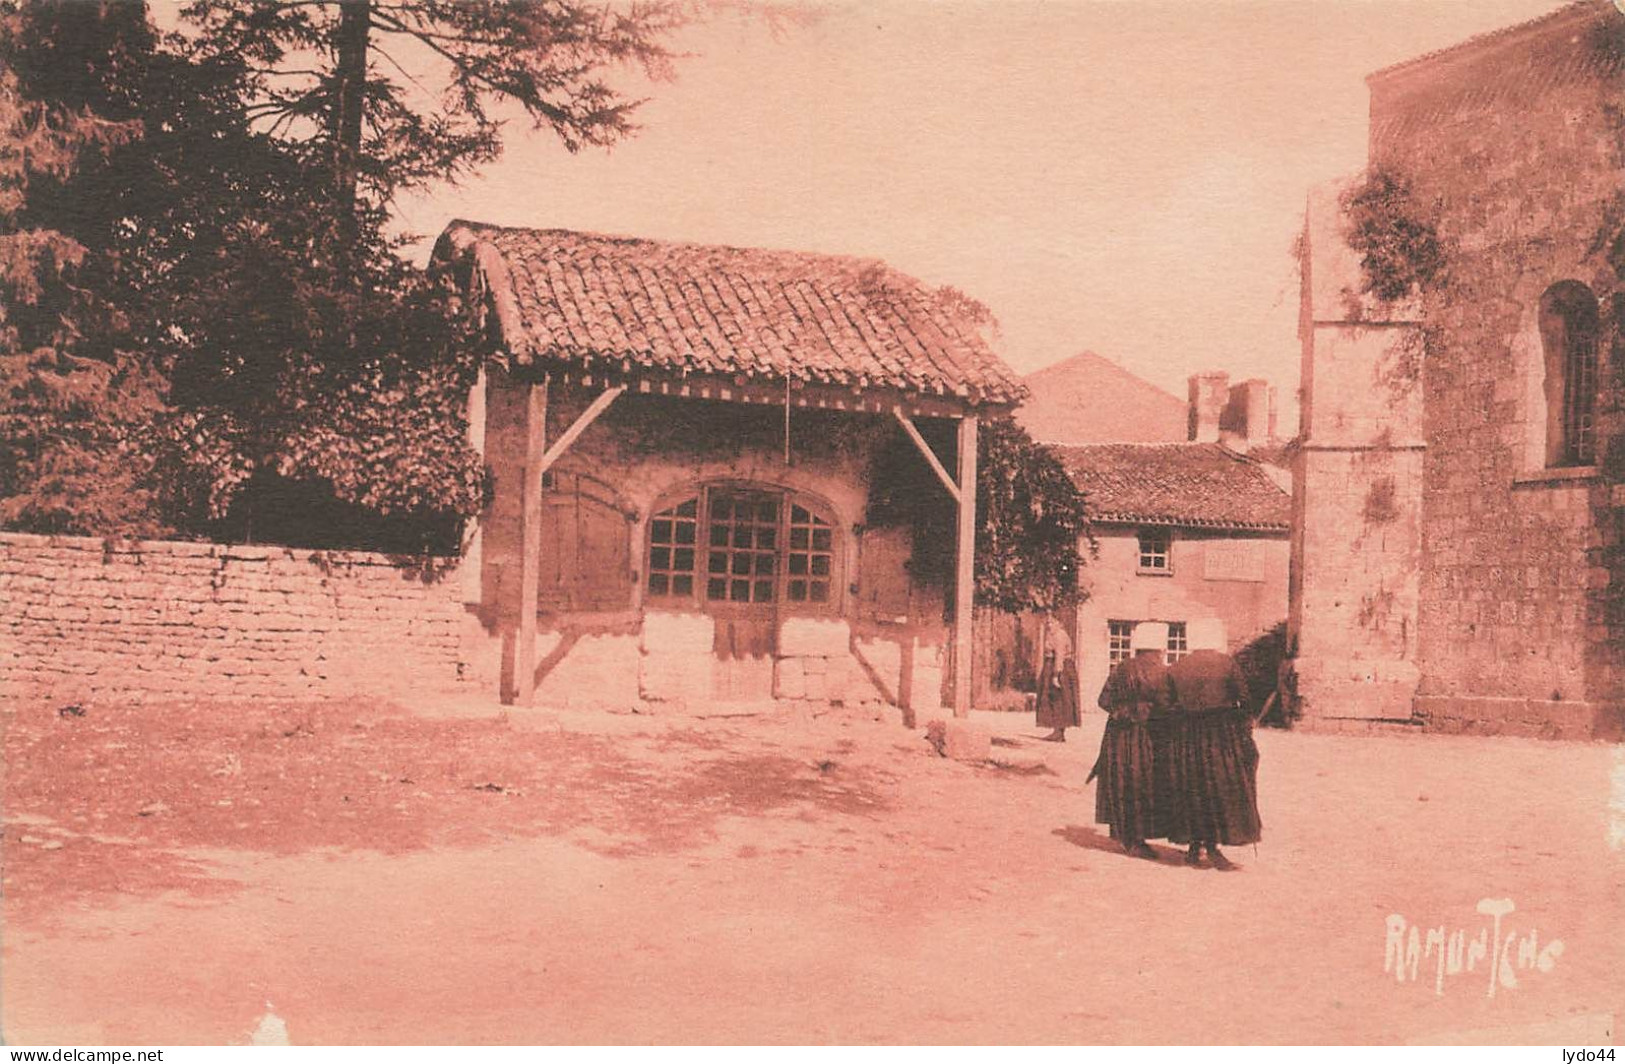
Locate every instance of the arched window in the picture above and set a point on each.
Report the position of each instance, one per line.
(1569, 329)
(732, 545)
(672, 533)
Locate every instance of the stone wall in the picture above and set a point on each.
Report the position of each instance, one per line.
(1514, 145)
(87, 619)
(1357, 486)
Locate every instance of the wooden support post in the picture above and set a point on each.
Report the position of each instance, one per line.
(530, 541)
(965, 567)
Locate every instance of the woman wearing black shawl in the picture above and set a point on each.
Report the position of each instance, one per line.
(1136, 692)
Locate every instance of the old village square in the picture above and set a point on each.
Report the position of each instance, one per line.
(701, 686)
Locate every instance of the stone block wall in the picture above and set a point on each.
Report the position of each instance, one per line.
(1357, 487)
(1515, 146)
(677, 661)
(87, 619)
(1354, 615)
(815, 664)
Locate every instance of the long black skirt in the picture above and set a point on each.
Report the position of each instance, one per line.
(1169, 815)
(1125, 794)
(1055, 710)
(1215, 770)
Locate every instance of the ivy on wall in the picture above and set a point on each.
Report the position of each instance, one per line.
(1400, 252)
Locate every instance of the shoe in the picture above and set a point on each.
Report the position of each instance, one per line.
(1220, 861)
(1144, 852)
(1193, 857)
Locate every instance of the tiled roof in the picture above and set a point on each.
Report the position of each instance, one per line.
(674, 308)
(1576, 10)
(1201, 485)
(1090, 399)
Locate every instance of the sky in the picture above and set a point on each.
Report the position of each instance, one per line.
(1121, 176)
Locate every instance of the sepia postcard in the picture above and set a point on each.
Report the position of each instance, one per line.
(830, 522)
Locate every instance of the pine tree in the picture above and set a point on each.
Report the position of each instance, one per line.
(203, 324)
(340, 82)
(72, 394)
(315, 363)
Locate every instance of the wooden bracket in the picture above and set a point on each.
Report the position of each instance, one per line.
(925, 449)
(588, 416)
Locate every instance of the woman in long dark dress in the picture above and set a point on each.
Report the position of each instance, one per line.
(1058, 697)
(1136, 690)
(1215, 762)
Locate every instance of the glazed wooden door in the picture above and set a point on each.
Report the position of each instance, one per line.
(741, 590)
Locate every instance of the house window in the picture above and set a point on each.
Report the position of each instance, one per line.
(729, 545)
(1569, 329)
(1177, 647)
(1155, 550)
(1118, 637)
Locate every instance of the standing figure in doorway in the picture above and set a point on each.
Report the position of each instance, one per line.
(1215, 761)
(1136, 691)
(1058, 697)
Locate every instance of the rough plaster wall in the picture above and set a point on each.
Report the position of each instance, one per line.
(1118, 591)
(86, 619)
(1357, 636)
(1357, 487)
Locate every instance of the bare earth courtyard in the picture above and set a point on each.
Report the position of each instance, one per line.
(472, 877)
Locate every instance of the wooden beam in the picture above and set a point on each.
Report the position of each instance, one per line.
(569, 436)
(965, 567)
(930, 455)
(530, 541)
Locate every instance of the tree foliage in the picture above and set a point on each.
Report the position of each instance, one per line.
(202, 316)
(334, 82)
(72, 395)
(1031, 517)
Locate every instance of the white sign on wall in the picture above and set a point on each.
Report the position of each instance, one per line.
(1234, 559)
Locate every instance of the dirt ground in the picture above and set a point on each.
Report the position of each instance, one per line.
(471, 877)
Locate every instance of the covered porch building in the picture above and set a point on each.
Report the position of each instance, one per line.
(682, 440)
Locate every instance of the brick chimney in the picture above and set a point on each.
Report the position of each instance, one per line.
(1209, 394)
(1248, 415)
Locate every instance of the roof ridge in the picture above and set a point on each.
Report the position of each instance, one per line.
(1096, 356)
(845, 258)
(1572, 9)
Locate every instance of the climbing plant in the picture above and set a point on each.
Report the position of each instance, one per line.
(1031, 517)
(1400, 251)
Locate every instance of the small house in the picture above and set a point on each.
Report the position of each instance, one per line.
(1186, 531)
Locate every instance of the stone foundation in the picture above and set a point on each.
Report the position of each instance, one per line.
(1525, 717)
